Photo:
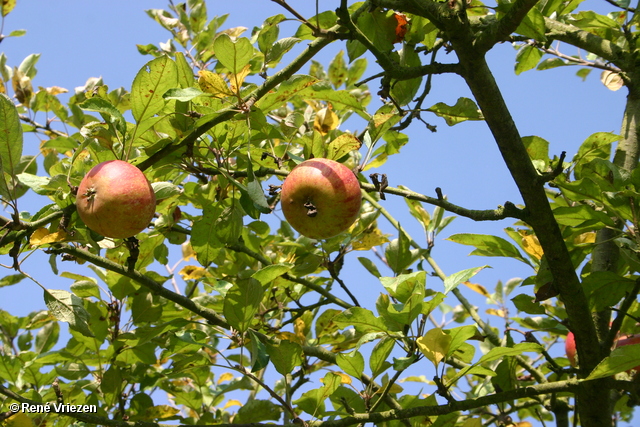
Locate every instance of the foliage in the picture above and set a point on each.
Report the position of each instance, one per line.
(264, 320)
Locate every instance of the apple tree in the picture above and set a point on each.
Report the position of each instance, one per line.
(257, 324)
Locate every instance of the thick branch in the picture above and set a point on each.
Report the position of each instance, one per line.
(501, 29)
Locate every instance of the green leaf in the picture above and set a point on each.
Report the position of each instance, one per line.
(605, 289)
(460, 335)
(487, 245)
(204, 238)
(279, 48)
(404, 91)
(241, 303)
(362, 319)
(500, 352)
(257, 410)
(85, 289)
(578, 215)
(378, 361)
(107, 110)
(452, 281)
(10, 142)
(68, 308)
(269, 273)
(183, 94)
(527, 304)
(464, 109)
(150, 84)
(370, 266)
(47, 337)
(233, 55)
(621, 359)
(285, 356)
(259, 356)
(404, 286)
(533, 25)
(351, 363)
(342, 145)
(11, 279)
(399, 255)
(285, 91)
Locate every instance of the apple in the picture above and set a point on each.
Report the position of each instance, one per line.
(321, 198)
(570, 346)
(116, 200)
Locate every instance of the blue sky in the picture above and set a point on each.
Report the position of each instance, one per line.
(79, 39)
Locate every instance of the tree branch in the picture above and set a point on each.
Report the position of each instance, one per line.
(501, 29)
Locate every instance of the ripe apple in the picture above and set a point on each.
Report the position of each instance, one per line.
(570, 346)
(321, 198)
(116, 200)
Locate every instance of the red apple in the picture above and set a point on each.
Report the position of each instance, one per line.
(116, 200)
(570, 346)
(321, 198)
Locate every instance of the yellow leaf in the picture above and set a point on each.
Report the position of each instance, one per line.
(187, 251)
(232, 402)
(213, 84)
(227, 376)
(192, 272)
(344, 378)
(434, 345)
(531, 245)
(472, 422)
(523, 424)
(42, 237)
(477, 288)
(298, 328)
(56, 90)
(326, 121)
(380, 119)
(19, 419)
(611, 80)
(343, 144)
(368, 240)
(589, 237)
(236, 80)
(160, 411)
(289, 336)
(496, 312)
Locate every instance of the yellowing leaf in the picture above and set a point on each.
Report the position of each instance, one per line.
(187, 251)
(472, 422)
(531, 245)
(227, 376)
(232, 402)
(42, 237)
(368, 240)
(434, 345)
(611, 80)
(477, 288)
(342, 145)
(380, 119)
(213, 84)
(344, 378)
(298, 328)
(326, 120)
(289, 336)
(160, 411)
(56, 90)
(523, 424)
(236, 80)
(19, 419)
(583, 238)
(496, 312)
(192, 272)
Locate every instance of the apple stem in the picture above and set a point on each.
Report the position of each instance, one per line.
(311, 209)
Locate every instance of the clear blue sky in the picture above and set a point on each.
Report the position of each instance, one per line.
(79, 39)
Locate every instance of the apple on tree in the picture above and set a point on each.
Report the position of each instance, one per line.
(116, 200)
(570, 346)
(321, 198)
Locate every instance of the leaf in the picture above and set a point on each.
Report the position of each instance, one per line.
(257, 410)
(533, 25)
(464, 109)
(605, 289)
(184, 95)
(621, 359)
(326, 120)
(213, 84)
(378, 361)
(352, 363)
(204, 238)
(500, 352)
(487, 245)
(105, 108)
(404, 286)
(362, 319)
(7, 7)
(233, 55)
(10, 142)
(452, 281)
(269, 273)
(613, 81)
(68, 308)
(241, 303)
(285, 91)
(150, 84)
(342, 145)
(435, 345)
(285, 356)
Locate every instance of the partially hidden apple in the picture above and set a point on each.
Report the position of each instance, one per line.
(570, 346)
(116, 200)
(321, 198)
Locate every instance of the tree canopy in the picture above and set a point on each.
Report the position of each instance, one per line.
(256, 324)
